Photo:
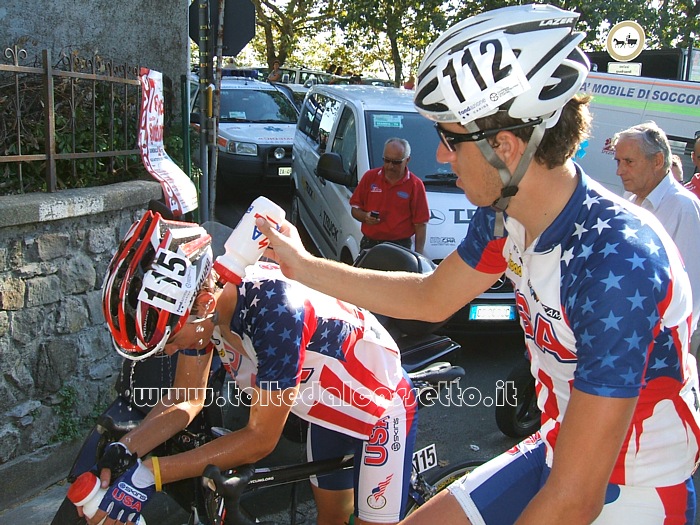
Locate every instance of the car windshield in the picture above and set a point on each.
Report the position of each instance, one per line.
(419, 132)
(256, 106)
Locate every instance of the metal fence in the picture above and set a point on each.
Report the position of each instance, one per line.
(69, 124)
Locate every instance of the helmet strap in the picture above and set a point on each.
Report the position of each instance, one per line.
(510, 181)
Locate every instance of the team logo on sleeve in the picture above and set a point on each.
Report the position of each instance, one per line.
(377, 500)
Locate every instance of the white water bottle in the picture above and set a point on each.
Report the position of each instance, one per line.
(246, 243)
(86, 492)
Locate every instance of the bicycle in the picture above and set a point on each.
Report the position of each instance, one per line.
(225, 489)
(228, 487)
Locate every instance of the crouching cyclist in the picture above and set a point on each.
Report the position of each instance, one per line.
(293, 348)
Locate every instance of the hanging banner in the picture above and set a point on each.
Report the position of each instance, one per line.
(179, 191)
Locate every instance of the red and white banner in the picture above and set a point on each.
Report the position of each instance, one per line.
(179, 191)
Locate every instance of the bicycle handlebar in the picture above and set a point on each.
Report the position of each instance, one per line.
(231, 484)
(230, 487)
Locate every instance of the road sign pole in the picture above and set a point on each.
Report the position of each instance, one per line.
(238, 30)
(204, 106)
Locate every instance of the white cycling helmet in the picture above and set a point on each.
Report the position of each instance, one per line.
(522, 59)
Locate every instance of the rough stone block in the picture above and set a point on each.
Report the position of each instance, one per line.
(93, 300)
(14, 256)
(24, 409)
(78, 274)
(43, 290)
(72, 315)
(52, 245)
(28, 323)
(56, 362)
(7, 396)
(9, 437)
(23, 381)
(11, 293)
(43, 427)
(101, 240)
(4, 322)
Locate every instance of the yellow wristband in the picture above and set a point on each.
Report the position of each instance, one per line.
(156, 473)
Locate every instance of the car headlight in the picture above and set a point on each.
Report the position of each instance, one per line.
(279, 153)
(242, 148)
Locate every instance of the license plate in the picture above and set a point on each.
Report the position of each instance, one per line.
(425, 458)
(491, 312)
(284, 172)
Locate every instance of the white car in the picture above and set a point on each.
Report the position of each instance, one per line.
(340, 135)
(256, 131)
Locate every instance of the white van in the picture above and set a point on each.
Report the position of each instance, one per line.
(621, 101)
(341, 135)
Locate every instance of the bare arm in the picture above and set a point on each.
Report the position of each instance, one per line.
(583, 460)
(268, 414)
(420, 236)
(430, 297)
(174, 412)
(359, 214)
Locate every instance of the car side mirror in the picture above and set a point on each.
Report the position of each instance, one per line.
(330, 167)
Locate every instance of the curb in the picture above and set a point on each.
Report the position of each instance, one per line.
(28, 475)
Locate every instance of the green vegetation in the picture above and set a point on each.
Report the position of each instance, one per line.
(69, 424)
(392, 35)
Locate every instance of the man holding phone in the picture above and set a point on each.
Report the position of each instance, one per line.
(391, 202)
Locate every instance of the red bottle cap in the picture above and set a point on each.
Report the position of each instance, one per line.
(83, 488)
(226, 275)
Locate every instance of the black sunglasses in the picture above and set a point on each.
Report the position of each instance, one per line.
(392, 161)
(449, 139)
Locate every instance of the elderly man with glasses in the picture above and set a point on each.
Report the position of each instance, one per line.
(391, 202)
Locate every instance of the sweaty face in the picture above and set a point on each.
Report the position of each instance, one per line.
(638, 172)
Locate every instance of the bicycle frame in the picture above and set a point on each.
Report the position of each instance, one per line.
(227, 488)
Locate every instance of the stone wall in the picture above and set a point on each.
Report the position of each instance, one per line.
(57, 365)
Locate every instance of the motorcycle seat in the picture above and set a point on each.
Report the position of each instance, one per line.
(393, 257)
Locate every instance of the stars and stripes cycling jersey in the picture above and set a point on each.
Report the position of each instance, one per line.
(605, 306)
(347, 366)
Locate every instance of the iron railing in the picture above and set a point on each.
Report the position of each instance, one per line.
(78, 112)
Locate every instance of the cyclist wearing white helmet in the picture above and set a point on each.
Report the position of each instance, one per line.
(291, 348)
(601, 292)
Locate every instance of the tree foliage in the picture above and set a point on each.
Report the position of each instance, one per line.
(391, 30)
(668, 23)
(284, 23)
(361, 34)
